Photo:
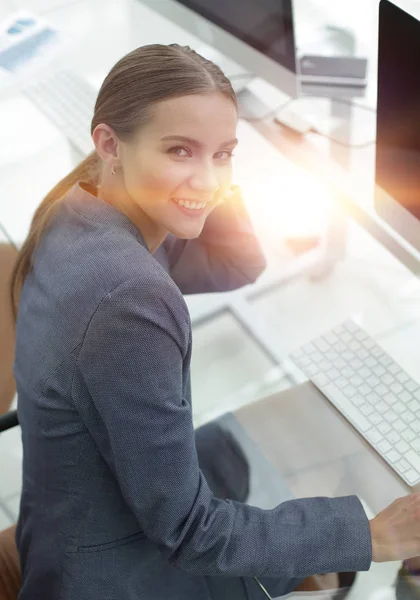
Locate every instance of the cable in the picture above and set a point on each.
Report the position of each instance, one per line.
(270, 113)
(343, 144)
(9, 239)
(263, 588)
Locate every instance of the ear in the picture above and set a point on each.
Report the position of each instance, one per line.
(107, 144)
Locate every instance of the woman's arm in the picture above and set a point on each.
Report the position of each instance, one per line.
(226, 256)
(133, 366)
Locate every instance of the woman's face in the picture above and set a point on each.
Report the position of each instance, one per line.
(179, 165)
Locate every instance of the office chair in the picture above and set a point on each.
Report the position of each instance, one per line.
(10, 579)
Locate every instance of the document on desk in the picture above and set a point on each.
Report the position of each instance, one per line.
(28, 43)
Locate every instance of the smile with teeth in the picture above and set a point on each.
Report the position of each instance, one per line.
(190, 204)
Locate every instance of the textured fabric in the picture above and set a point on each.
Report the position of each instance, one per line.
(114, 505)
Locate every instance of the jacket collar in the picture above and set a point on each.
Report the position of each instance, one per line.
(83, 200)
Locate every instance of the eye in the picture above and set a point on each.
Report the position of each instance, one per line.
(180, 151)
(225, 155)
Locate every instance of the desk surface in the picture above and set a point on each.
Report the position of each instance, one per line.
(316, 451)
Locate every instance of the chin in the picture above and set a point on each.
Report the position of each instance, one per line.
(187, 231)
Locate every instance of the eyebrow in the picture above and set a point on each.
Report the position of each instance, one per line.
(192, 142)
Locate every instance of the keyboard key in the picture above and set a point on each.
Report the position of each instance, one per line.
(332, 356)
(376, 351)
(364, 372)
(320, 379)
(348, 355)
(412, 476)
(366, 409)
(344, 405)
(356, 365)
(417, 394)
(303, 361)
(385, 360)
(351, 326)
(355, 346)
(365, 390)
(339, 330)
(371, 362)
(312, 370)
(358, 400)
(340, 363)
(361, 336)
(393, 368)
(321, 345)
(363, 354)
(406, 397)
(393, 437)
(356, 381)
(402, 447)
(317, 357)
(384, 427)
(402, 377)
(349, 391)
(341, 382)
(388, 379)
(399, 426)
(407, 417)
(379, 371)
(346, 337)
(402, 465)
(375, 400)
(399, 407)
(396, 388)
(376, 419)
(368, 343)
(331, 338)
(411, 385)
(415, 444)
(408, 435)
(324, 365)
(333, 374)
(374, 436)
(393, 456)
(390, 416)
(347, 372)
(414, 459)
(414, 405)
(390, 399)
(384, 446)
(381, 406)
(415, 426)
(373, 381)
(340, 347)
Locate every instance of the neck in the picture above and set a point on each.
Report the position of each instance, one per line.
(115, 195)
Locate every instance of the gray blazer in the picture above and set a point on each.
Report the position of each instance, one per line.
(114, 506)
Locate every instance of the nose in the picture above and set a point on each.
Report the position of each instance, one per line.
(204, 180)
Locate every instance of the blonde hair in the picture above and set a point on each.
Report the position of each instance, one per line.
(143, 77)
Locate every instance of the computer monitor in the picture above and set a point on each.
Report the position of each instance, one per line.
(397, 198)
(258, 35)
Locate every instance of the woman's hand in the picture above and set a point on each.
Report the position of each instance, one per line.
(396, 531)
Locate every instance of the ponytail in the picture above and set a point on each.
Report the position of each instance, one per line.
(87, 171)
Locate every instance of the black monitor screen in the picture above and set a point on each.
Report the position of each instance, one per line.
(266, 25)
(398, 119)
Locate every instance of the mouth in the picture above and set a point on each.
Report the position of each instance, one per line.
(190, 207)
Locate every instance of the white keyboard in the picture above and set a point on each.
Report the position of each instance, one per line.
(68, 101)
(371, 391)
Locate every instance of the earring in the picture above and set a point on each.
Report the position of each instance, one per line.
(113, 170)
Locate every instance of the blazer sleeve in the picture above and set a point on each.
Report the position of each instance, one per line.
(132, 362)
(227, 254)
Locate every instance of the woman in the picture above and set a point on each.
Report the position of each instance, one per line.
(114, 505)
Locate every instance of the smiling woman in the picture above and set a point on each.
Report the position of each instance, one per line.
(114, 502)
